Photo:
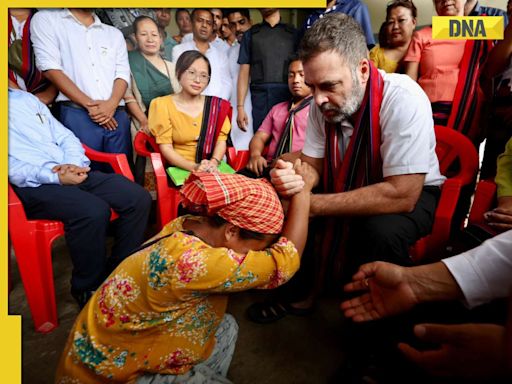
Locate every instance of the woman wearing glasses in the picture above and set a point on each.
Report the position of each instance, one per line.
(190, 128)
(396, 36)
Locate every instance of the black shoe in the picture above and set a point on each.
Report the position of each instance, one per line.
(81, 297)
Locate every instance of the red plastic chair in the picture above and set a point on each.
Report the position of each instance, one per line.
(450, 147)
(168, 197)
(32, 241)
(483, 201)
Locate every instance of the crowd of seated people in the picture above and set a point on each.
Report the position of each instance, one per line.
(342, 168)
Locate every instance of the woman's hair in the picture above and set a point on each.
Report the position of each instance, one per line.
(383, 35)
(140, 19)
(186, 59)
(245, 234)
(402, 3)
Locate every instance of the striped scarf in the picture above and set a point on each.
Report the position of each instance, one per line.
(26, 66)
(286, 141)
(214, 114)
(360, 166)
(468, 98)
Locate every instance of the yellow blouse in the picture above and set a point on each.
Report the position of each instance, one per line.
(171, 126)
(156, 312)
(381, 61)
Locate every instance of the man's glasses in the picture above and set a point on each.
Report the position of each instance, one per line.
(193, 75)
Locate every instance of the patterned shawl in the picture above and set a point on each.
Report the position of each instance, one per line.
(286, 140)
(360, 166)
(214, 114)
(22, 59)
(468, 98)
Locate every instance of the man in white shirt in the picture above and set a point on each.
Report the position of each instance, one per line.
(202, 27)
(88, 63)
(370, 137)
(476, 276)
(239, 22)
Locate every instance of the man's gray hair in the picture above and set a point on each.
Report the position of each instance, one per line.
(335, 32)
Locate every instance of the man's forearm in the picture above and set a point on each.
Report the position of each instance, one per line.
(67, 87)
(243, 84)
(376, 199)
(118, 91)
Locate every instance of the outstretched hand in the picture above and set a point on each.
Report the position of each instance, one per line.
(386, 291)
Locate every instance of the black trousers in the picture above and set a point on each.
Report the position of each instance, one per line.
(85, 211)
(382, 237)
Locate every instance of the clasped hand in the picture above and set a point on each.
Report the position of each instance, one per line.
(289, 179)
(70, 174)
(102, 112)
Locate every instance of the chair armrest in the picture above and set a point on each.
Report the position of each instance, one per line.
(485, 196)
(117, 161)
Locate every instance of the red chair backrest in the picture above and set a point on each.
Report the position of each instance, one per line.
(144, 144)
(451, 146)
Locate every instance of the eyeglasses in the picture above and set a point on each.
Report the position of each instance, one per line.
(193, 75)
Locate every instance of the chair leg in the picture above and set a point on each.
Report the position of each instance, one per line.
(34, 260)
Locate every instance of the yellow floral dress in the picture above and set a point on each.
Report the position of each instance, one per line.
(159, 310)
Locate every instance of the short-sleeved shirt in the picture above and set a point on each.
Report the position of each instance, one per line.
(245, 54)
(439, 64)
(92, 57)
(274, 125)
(408, 140)
(171, 126)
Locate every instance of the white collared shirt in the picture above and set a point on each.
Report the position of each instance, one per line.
(92, 57)
(220, 81)
(484, 273)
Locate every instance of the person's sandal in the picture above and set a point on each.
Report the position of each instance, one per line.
(269, 312)
(266, 312)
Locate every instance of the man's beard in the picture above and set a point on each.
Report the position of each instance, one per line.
(351, 105)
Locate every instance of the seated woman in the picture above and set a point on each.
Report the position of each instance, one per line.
(151, 77)
(161, 313)
(396, 36)
(191, 129)
(448, 70)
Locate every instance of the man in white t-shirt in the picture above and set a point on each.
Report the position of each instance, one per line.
(370, 137)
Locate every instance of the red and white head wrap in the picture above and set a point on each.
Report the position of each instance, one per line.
(251, 204)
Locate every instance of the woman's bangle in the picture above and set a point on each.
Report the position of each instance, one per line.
(240, 106)
(217, 160)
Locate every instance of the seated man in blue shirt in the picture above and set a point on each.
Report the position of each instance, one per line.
(50, 173)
